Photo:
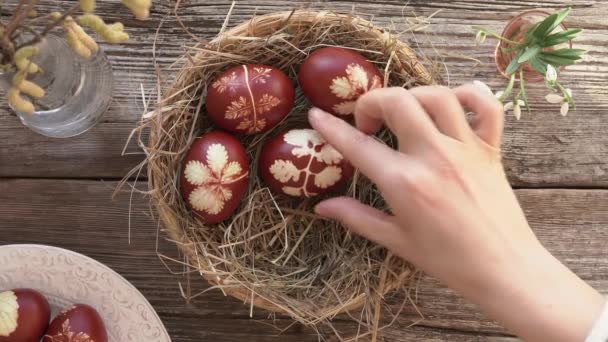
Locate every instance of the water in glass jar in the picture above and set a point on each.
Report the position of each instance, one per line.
(78, 91)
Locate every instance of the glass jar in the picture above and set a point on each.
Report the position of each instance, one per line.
(515, 31)
(78, 90)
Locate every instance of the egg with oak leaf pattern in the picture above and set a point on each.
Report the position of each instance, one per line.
(215, 175)
(300, 163)
(250, 98)
(77, 323)
(334, 78)
(24, 315)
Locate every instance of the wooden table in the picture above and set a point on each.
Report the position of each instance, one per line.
(58, 192)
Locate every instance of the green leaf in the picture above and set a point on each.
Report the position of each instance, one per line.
(512, 67)
(544, 25)
(530, 30)
(566, 53)
(556, 61)
(550, 23)
(560, 18)
(561, 37)
(529, 53)
(538, 65)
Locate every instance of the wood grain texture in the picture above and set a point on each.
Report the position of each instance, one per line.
(541, 150)
(50, 193)
(80, 215)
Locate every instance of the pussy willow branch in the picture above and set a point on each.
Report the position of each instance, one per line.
(51, 26)
(19, 16)
(31, 30)
(6, 44)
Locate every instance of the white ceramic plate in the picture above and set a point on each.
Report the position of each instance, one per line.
(65, 277)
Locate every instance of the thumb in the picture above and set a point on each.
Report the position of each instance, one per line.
(366, 221)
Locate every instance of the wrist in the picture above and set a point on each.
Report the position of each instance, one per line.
(540, 299)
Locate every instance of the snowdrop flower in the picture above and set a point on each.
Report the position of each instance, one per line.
(516, 107)
(480, 37)
(555, 98)
(551, 74)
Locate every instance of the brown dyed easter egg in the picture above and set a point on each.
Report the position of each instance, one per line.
(333, 78)
(250, 98)
(78, 322)
(215, 175)
(24, 315)
(301, 163)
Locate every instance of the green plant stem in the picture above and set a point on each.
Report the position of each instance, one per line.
(522, 88)
(565, 93)
(494, 34)
(508, 89)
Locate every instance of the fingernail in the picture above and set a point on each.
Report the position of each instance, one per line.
(315, 114)
(320, 209)
(483, 87)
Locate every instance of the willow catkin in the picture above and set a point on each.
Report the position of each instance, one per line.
(22, 59)
(75, 43)
(19, 103)
(108, 32)
(84, 38)
(87, 6)
(139, 8)
(80, 41)
(30, 88)
(118, 26)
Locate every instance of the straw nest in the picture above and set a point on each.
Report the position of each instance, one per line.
(274, 253)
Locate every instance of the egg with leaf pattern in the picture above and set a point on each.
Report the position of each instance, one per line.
(214, 177)
(300, 163)
(250, 98)
(24, 315)
(78, 322)
(333, 78)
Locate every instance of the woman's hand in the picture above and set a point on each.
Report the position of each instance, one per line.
(454, 214)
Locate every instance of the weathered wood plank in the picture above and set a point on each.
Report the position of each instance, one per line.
(81, 216)
(96, 154)
(543, 149)
(238, 330)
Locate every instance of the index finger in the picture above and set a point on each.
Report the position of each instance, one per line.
(401, 112)
(361, 150)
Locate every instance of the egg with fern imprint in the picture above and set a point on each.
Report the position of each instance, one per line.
(214, 176)
(300, 163)
(78, 322)
(24, 315)
(333, 78)
(250, 98)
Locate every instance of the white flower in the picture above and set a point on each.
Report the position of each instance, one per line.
(551, 74)
(555, 98)
(480, 37)
(516, 107)
(564, 109)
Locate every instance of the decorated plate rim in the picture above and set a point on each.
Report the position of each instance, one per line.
(132, 289)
